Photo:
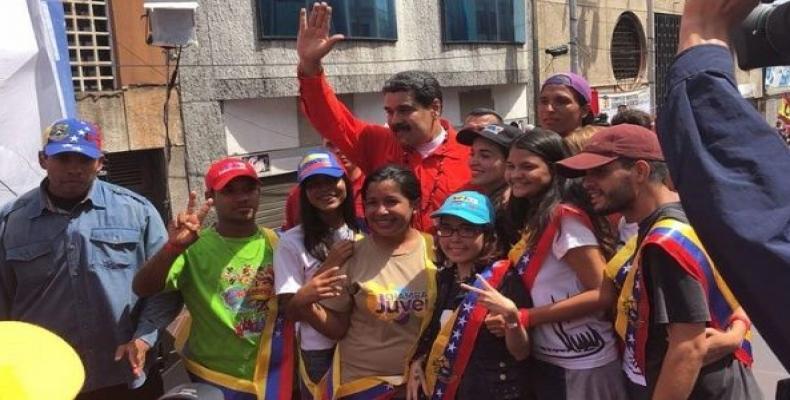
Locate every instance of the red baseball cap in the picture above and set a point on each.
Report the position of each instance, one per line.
(223, 171)
(619, 141)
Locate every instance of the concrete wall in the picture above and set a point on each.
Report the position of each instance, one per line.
(131, 119)
(597, 20)
(137, 63)
(232, 63)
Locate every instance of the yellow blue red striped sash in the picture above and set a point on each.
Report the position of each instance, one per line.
(454, 344)
(682, 244)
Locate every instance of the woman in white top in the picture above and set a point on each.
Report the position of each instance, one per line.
(561, 256)
(324, 237)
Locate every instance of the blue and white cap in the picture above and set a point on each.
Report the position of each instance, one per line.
(472, 207)
(74, 136)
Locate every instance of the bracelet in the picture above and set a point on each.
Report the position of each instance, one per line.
(513, 325)
(523, 317)
(173, 248)
(736, 317)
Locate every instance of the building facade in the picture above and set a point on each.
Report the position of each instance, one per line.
(239, 88)
(120, 83)
(623, 47)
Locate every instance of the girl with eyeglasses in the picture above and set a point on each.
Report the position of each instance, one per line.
(384, 298)
(561, 258)
(457, 357)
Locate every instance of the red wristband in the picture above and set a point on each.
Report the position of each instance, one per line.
(736, 317)
(523, 317)
(174, 248)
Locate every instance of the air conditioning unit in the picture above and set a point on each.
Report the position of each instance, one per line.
(171, 23)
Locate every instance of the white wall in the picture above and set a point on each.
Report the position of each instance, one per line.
(510, 101)
(254, 125)
(369, 107)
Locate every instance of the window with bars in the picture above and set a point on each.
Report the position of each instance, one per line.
(89, 42)
(667, 34)
(627, 50)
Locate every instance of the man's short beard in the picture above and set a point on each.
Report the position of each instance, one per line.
(618, 200)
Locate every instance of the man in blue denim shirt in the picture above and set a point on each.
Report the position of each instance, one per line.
(730, 167)
(68, 252)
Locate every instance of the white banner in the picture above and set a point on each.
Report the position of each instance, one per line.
(31, 96)
(638, 99)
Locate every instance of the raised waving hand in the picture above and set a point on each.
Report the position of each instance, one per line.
(313, 41)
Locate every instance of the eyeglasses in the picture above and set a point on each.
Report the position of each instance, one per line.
(464, 231)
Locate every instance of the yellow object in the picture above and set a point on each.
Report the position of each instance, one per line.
(784, 109)
(36, 364)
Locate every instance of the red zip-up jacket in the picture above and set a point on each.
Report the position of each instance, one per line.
(372, 146)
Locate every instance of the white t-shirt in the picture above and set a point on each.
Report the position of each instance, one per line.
(626, 230)
(427, 149)
(583, 343)
(293, 267)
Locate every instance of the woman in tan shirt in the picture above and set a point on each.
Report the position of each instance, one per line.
(378, 302)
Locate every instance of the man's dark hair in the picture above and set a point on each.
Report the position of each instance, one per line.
(658, 169)
(423, 84)
(481, 111)
(633, 117)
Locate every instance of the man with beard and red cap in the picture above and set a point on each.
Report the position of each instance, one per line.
(415, 136)
(671, 300)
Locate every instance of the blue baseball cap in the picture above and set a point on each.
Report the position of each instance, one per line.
(71, 135)
(472, 207)
(319, 162)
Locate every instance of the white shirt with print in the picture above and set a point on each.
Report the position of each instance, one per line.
(582, 343)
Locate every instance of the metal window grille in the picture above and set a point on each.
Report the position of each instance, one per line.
(667, 34)
(627, 49)
(89, 42)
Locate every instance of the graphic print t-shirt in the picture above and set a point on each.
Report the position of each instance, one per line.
(582, 343)
(228, 286)
(387, 296)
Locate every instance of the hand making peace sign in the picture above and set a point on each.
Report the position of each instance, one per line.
(183, 229)
(491, 299)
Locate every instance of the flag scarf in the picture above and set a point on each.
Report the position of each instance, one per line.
(273, 378)
(528, 262)
(680, 242)
(455, 342)
(376, 388)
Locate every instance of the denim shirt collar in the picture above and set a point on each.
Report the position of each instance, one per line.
(40, 203)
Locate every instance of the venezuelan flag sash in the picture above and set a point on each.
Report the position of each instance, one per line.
(633, 309)
(528, 262)
(455, 342)
(377, 388)
(273, 378)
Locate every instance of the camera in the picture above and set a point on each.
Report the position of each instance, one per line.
(763, 40)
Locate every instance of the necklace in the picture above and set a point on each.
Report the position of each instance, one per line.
(425, 201)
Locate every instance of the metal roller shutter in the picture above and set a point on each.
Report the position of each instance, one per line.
(141, 172)
(271, 208)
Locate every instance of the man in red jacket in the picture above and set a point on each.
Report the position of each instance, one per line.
(415, 136)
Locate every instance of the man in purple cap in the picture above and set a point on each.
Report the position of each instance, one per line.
(670, 296)
(68, 252)
(564, 103)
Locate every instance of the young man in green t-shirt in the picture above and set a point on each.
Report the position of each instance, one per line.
(237, 340)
